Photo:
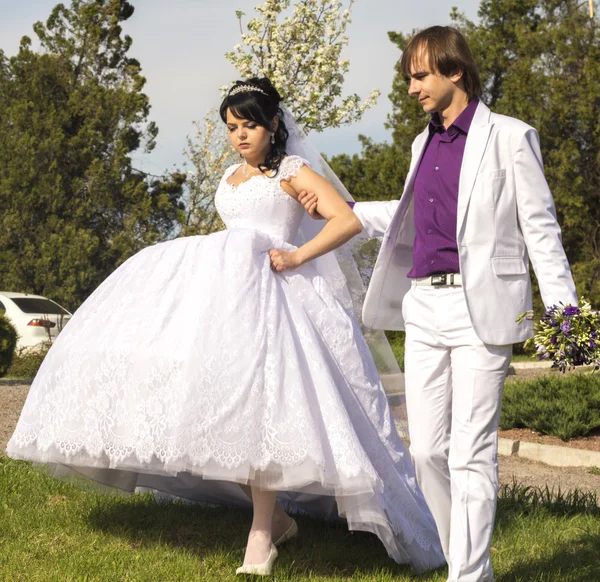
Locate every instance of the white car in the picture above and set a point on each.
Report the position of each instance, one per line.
(36, 318)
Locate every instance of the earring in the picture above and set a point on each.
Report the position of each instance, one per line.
(273, 138)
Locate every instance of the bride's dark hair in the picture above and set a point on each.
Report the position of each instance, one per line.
(261, 107)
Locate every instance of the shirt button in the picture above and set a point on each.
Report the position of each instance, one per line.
(429, 231)
(431, 200)
(433, 262)
(437, 168)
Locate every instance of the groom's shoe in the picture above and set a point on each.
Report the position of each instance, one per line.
(289, 533)
(263, 569)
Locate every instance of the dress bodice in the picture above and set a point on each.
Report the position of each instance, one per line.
(260, 203)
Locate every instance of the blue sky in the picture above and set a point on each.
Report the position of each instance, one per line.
(181, 43)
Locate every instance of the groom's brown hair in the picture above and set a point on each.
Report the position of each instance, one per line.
(448, 54)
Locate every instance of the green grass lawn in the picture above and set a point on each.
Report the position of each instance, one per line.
(524, 358)
(16, 378)
(53, 531)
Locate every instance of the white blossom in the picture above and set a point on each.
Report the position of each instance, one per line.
(210, 154)
(298, 46)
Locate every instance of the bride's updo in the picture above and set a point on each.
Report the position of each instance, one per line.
(258, 100)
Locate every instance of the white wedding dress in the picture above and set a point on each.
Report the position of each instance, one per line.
(195, 367)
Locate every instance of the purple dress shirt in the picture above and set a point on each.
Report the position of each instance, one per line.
(436, 196)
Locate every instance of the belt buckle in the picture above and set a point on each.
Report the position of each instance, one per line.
(439, 280)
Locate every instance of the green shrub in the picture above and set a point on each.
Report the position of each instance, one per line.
(8, 343)
(27, 361)
(526, 351)
(561, 406)
(397, 339)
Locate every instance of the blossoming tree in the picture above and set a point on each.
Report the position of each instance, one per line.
(298, 45)
(299, 48)
(209, 153)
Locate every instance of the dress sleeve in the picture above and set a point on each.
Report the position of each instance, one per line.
(290, 166)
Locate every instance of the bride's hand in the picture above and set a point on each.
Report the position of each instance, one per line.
(309, 201)
(284, 261)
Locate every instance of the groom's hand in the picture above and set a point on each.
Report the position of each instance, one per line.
(309, 200)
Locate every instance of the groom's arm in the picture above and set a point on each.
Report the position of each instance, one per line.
(537, 219)
(374, 216)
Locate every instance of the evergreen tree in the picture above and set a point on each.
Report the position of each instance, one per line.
(375, 174)
(72, 207)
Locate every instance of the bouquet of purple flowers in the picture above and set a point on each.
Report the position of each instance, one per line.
(567, 335)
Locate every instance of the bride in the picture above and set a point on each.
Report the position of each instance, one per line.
(209, 362)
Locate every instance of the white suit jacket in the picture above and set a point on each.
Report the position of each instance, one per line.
(505, 219)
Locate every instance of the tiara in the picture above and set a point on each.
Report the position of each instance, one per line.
(243, 88)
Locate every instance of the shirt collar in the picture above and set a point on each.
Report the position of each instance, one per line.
(462, 122)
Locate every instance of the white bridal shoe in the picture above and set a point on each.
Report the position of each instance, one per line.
(263, 569)
(289, 533)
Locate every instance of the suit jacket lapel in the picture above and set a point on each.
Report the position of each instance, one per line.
(479, 133)
(419, 149)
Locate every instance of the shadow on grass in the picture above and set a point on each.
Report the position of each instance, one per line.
(575, 559)
(321, 548)
(576, 562)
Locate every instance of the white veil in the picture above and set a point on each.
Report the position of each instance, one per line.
(341, 271)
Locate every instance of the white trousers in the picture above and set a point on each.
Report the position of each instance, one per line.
(454, 386)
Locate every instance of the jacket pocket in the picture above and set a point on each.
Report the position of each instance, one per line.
(508, 266)
(495, 174)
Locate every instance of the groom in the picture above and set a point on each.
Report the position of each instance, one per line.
(453, 271)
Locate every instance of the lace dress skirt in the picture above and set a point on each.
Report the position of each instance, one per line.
(194, 368)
